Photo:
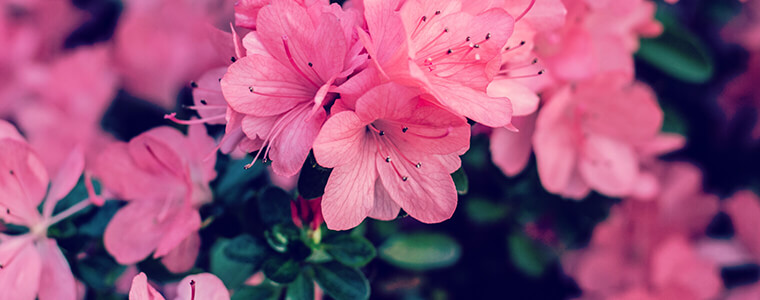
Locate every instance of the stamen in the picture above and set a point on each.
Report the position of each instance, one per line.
(192, 289)
(528, 76)
(530, 6)
(193, 84)
(233, 59)
(173, 118)
(293, 61)
(522, 43)
(204, 102)
(405, 129)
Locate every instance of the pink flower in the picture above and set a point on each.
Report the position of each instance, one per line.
(648, 250)
(396, 150)
(449, 53)
(31, 265)
(282, 83)
(164, 176)
(176, 35)
(66, 103)
(600, 37)
(510, 151)
(203, 286)
(307, 211)
(742, 92)
(585, 137)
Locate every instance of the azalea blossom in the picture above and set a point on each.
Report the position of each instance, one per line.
(282, 83)
(31, 264)
(586, 136)
(448, 52)
(203, 286)
(164, 177)
(397, 150)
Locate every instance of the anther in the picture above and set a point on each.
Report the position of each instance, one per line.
(405, 129)
(437, 12)
(195, 85)
(11, 172)
(418, 165)
(203, 102)
(522, 43)
(476, 46)
(488, 36)
(310, 64)
(446, 29)
(388, 159)
(424, 18)
(535, 61)
(220, 79)
(381, 133)
(250, 88)
(541, 72)
(449, 51)
(233, 59)
(404, 178)
(468, 39)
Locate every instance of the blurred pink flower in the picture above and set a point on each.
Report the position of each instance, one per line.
(397, 151)
(203, 286)
(586, 137)
(176, 35)
(742, 93)
(649, 250)
(282, 83)
(449, 53)
(164, 176)
(31, 265)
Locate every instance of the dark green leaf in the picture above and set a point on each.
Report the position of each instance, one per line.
(232, 272)
(677, 52)
(300, 289)
(527, 255)
(236, 176)
(274, 206)
(281, 269)
(281, 235)
(420, 251)
(260, 292)
(341, 282)
(247, 249)
(99, 272)
(460, 180)
(354, 251)
(313, 178)
(485, 212)
(97, 224)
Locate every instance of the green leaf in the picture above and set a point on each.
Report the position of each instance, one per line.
(274, 206)
(281, 235)
(97, 224)
(677, 52)
(281, 269)
(300, 289)
(354, 251)
(235, 176)
(259, 292)
(421, 251)
(247, 249)
(460, 180)
(313, 179)
(341, 282)
(527, 255)
(232, 272)
(482, 211)
(99, 272)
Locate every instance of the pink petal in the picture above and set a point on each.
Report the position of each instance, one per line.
(340, 140)
(510, 151)
(292, 146)
(556, 156)
(182, 258)
(279, 91)
(135, 231)
(744, 207)
(349, 194)
(609, 166)
(185, 222)
(23, 182)
(118, 172)
(22, 266)
(489, 111)
(387, 45)
(207, 287)
(141, 290)
(524, 101)
(67, 177)
(58, 281)
(384, 208)
(209, 94)
(7, 130)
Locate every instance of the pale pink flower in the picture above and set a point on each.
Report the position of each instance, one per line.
(165, 177)
(31, 264)
(449, 53)
(203, 286)
(282, 83)
(395, 151)
(177, 35)
(586, 136)
(648, 249)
